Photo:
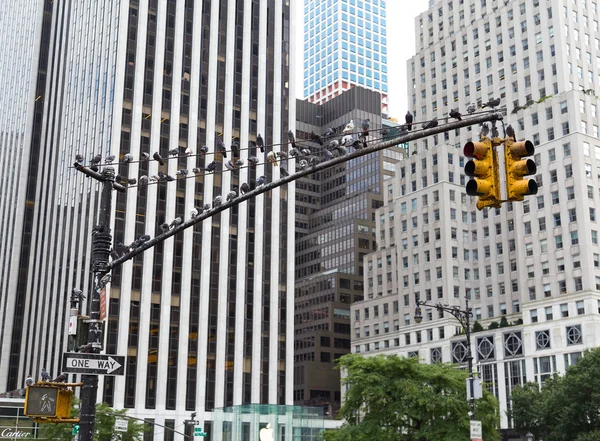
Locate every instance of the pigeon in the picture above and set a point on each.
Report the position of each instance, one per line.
(342, 150)
(77, 295)
(206, 207)
(302, 164)
(221, 148)
(45, 375)
(143, 181)
(127, 158)
(145, 156)
(314, 160)
(495, 133)
(189, 151)
(110, 159)
(331, 131)
(239, 163)
(144, 238)
(327, 154)
(455, 114)
(196, 170)
(131, 181)
(347, 140)
(177, 221)
(485, 130)
(62, 378)
(235, 149)
(211, 167)
(203, 150)
(118, 179)
(120, 248)
(153, 179)
(182, 172)
(408, 119)
(106, 279)
(28, 381)
(291, 138)
(272, 158)
(252, 160)
(333, 144)
(79, 158)
(430, 124)
(305, 151)
(96, 160)
(218, 200)
(510, 132)
(229, 165)
(471, 109)
(284, 173)
(193, 213)
(281, 155)
(158, 158)
(492, 103)
(231, 196)
(260, 143)
(245, 188)
(316, 138)
(349, 127)
(262, 180)
(293, 153)
(164, 227)
(174, 152)
(384, 132)
(365, 127)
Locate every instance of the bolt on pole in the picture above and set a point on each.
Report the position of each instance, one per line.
(101, 244)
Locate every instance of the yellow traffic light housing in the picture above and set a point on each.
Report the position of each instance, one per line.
(50, 403)
(483, 168)
(516, 168)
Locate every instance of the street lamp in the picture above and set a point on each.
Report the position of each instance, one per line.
(529, 437)
(464, 318)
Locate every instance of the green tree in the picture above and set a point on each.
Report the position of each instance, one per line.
(567, 408)
(390, 398)
(477, 327)
(503, 322)
(103, 429)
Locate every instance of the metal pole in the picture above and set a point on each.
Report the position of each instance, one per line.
(101, 245)
(470, 358)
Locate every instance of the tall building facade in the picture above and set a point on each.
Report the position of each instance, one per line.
(205, 318)
(531, 267)
(334, 230)
(345, 45)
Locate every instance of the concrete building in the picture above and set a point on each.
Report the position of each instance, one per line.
(335, 227)
(345, 45)
(206, 318)
(537, 262)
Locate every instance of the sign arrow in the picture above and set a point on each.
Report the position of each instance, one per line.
(99, 364)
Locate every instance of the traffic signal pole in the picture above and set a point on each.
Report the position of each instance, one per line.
(102, 238)
(101, 245)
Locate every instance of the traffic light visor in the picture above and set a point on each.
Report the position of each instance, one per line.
(475, 149)
(522, 148)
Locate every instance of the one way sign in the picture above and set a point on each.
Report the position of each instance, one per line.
(99, 364)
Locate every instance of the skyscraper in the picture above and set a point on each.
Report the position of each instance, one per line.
(345, 44)
(206, 318)
(334, 230)
(531, 267)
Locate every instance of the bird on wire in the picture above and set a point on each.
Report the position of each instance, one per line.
(454, 113)
(272, 158)
(493, 103)
(291, 138)
(45, 375)
(471, 109)
(408, 119)
(316, 138)
(365, 127)
(430, 124)
(221, 148)
(331, 131)
(260, 143)
(349, 127)
(158, 158)
(510, 132)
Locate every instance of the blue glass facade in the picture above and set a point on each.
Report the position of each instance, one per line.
(345, 43)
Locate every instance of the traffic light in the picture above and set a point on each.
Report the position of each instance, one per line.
(75, 429)
(483, 168)
(516, 168)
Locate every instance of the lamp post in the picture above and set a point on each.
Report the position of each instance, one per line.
(464, 318)
(529, 437)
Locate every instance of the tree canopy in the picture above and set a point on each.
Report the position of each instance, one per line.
(103, 429)
(566, 408)
(391, 398)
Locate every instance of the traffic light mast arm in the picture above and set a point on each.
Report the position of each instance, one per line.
(411, 136)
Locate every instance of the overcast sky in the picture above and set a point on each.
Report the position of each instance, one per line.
(401, 46)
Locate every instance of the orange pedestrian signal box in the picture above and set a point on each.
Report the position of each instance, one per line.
(48, 402)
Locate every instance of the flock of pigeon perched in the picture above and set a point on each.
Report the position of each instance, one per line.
(338, 143)
(46, 377)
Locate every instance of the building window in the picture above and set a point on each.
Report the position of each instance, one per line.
(574, 336)
(436, 355)
(542, 340)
